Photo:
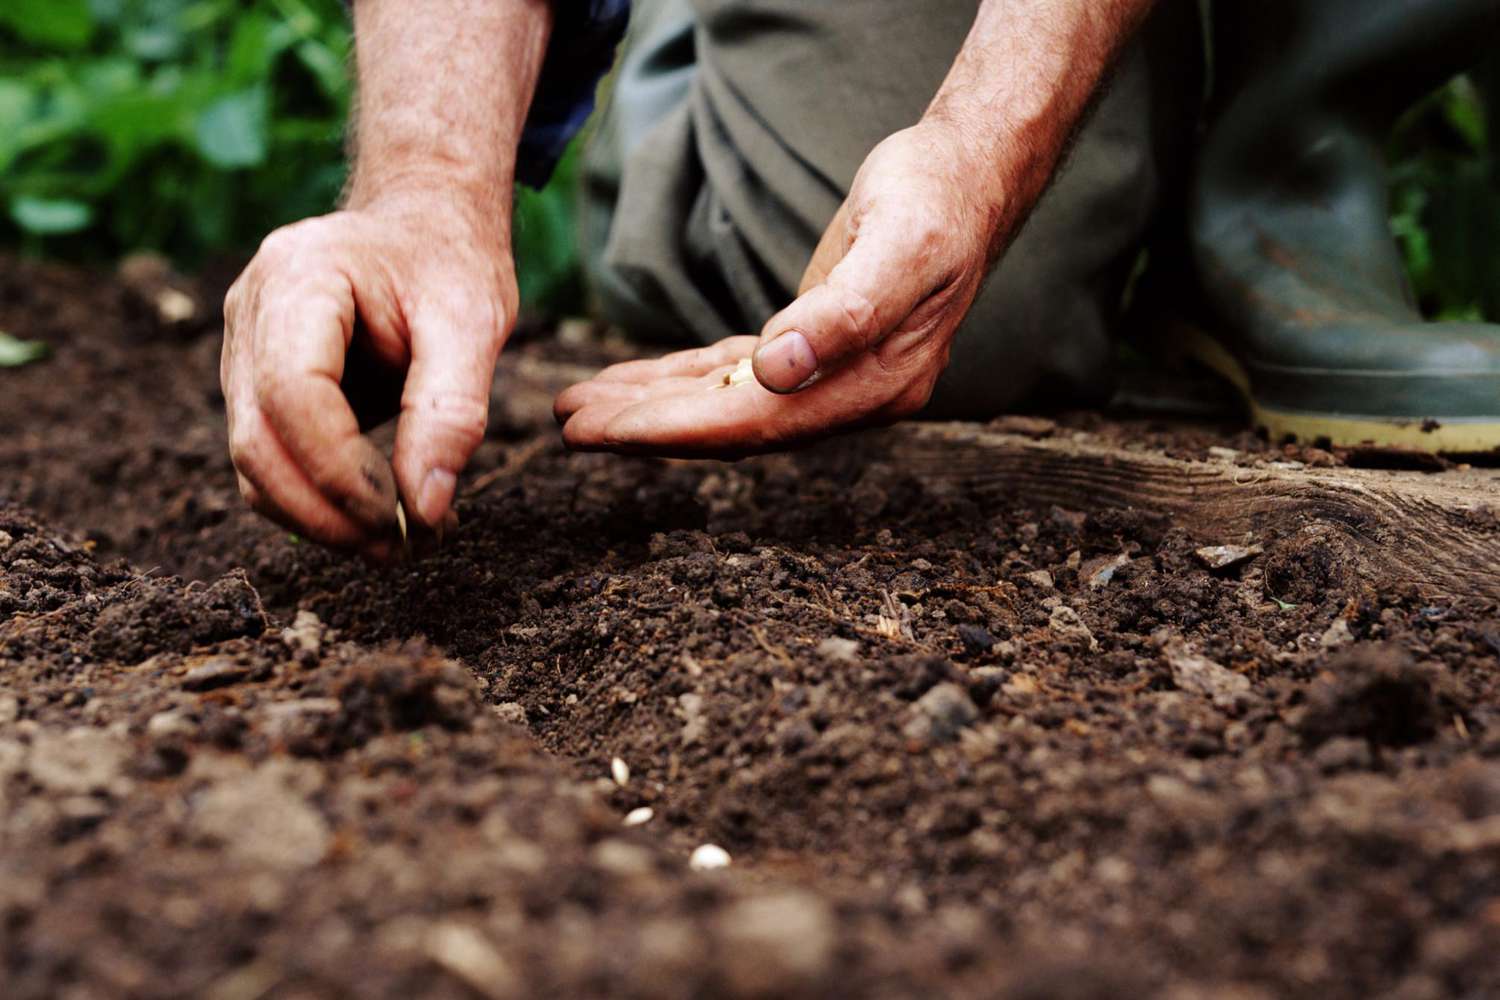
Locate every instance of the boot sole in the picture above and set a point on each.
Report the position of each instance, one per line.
(1461, 436)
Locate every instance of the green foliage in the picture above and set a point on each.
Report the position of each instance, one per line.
(195, 127)
(1446, 197)
(190, 126)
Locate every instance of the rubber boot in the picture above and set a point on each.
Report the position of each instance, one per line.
(1306, 307)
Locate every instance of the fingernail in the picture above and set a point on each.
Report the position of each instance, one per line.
(436, 495)
(786, 363)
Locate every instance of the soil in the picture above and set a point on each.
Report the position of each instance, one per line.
(953, 746)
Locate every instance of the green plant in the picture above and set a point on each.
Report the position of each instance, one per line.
(1445, 197)
(194, 127)
(189, 126)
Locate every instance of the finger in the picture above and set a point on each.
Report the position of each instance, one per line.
(273, 484)
(596, 392)
(730, 422)
(866, 295)
(584, 425)
(299, 356)
(829, 251)
(445, 406)
(697, 361)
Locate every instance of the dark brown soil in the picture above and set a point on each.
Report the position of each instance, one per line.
(949, 751)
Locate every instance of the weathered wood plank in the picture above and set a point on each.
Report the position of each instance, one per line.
(1440, 532)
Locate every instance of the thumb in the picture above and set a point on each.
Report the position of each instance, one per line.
(864, 297)
(444, 410)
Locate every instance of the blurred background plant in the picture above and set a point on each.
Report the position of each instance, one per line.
(193, 127)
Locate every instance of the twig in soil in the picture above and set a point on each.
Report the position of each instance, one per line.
(514, 462)
(765, 644)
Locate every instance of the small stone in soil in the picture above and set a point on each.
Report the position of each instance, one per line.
(1222, 557)
(707, 857)
(1200, 675)
(220, 671)
(977, 639)
(776, 945)
(838, 649)
(512, 712)
(1039, 578)
(941, 714)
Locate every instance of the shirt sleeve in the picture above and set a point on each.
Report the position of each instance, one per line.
(585, 34)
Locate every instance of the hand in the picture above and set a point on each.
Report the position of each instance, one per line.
(863, 343)
(399, 304)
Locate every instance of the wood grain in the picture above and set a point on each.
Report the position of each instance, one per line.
(1439, 532)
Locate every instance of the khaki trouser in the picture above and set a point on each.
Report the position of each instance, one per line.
(735, 127)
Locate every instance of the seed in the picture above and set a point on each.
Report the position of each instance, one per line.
(743, 372)
(620, 771)
(707, 857)
(401, 523)
(639, 817)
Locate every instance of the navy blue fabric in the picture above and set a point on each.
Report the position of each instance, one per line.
(585, 34)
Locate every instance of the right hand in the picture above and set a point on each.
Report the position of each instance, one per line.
(423, 285)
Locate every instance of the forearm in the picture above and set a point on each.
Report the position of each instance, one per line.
(1019, 86)
(444, 88)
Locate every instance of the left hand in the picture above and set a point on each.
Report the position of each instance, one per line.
(865, 340)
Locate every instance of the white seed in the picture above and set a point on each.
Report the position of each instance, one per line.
(620, 771)
(743, 372)
(639, 817)
(401, 523)
(707, 857)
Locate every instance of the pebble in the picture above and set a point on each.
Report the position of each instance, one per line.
(622, 859)
(640, 816)
(1200, 675)
(1220, 557)
(1039, 578)
(77, 762)
(941, 714)
(1067, 624)
(708, 857)
(620, 771)
(467, 954)
(1337, 635)
(776, 945)
(261, 821)
(305, 636)
(512, 712)
(217, 672)
(1098, 572)
(838, 649)
(1343, 753)
(695, 722)
(977, 639)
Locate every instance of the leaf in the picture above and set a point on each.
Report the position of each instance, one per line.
(50, 216)
(15, 352)
(57, 24)
(231, 133)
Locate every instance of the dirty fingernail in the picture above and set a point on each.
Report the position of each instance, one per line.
(786, 363)
(436, 495)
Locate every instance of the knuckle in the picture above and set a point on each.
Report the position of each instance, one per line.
(244, 449)
(461, 418)
(859, 314)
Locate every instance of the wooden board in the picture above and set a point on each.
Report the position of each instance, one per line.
(1438, 531)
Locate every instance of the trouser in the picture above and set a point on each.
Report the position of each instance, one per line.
(734, 129)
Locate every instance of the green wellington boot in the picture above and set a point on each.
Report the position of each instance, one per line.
(1306, 306)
